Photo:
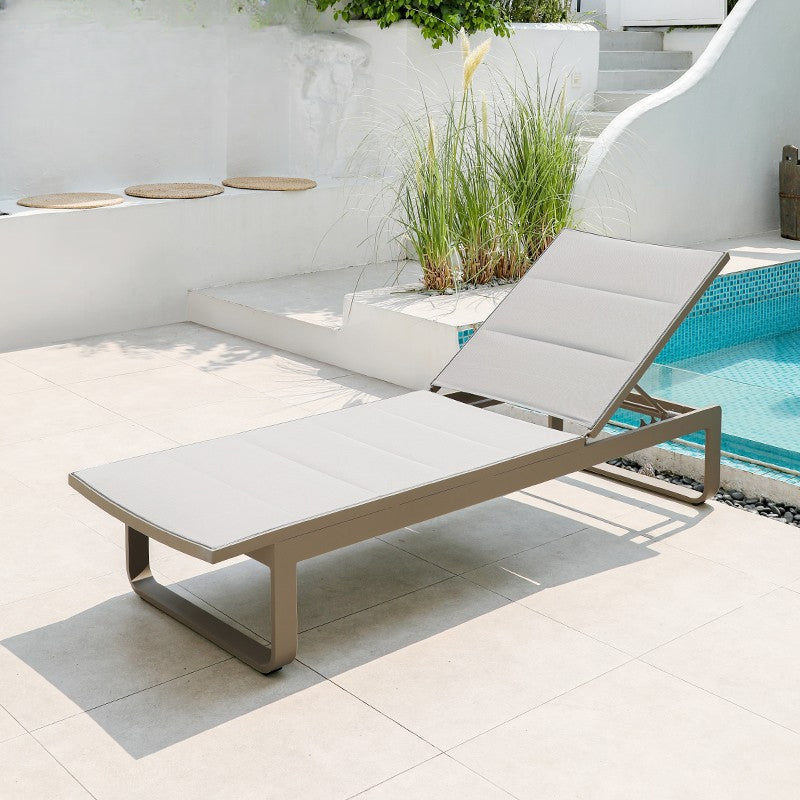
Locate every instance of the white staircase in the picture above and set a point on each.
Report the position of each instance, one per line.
(633, 65)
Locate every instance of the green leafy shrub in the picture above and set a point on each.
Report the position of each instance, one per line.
(438, 20)
(538, 10)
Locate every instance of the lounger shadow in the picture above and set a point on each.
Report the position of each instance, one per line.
(571, 341)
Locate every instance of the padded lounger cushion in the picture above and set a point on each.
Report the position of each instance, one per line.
(584, 323)
(237, 487)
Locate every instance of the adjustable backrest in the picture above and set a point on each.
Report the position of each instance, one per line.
(579, 330)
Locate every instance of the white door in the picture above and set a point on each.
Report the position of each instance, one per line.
(673, 12)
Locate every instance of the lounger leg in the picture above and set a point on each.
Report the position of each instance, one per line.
(283, 609)
(711, 479)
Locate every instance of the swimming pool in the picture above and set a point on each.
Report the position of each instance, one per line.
(740, 348)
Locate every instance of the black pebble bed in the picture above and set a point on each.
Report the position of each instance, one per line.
(755, 505)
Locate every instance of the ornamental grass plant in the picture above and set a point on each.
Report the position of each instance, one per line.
(485, 190)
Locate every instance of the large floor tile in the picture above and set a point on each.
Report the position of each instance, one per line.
(276, 372)
(482, 534)
(13, 492)
(45, 549)
(465, 680)
(14, 379)
(9, 727)
(155, 391)
(605, 500)
(337, 393)
(750, 657)
(197, 345)
(86, 645)
(28, 772)
(86, 359)
(44, 464)
(329, 586)
(247, 736)
(78, 507)
(630, 593)
(751, 544)
(441, 778)
(368, 635)
(45, 412)
(200, 423)
(637, 733)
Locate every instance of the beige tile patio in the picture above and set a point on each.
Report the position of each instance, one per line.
(300, 384)
(483, 534)
(86, 359)
(605, 500)
(749, 657)
(634, 595)
(88, 644)
(44, 464)
(154, 391)
(751, 544)
(637, 733)
(366, 636)
(14, 379)
(198, 346)
(9, 727)
(14, 492)
(200, 423)
(336, 393)
(79, 508)
(45, 549)
(248, 737)
(437, 779)
(330, 586)
(28, 772)
(271, 371)
(468, 678)
(46, 412)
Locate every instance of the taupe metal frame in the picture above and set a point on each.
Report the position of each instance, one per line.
(282, 550)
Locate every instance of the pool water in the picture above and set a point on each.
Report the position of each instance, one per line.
(757, 384)
(740, 348)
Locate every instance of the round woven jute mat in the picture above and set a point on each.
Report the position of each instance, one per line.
(266, 183)
(72, 200)
(174, 191)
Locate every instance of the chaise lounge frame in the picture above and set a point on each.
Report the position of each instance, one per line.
(281, 550)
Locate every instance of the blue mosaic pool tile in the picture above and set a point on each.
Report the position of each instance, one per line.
(737, 308)
(465, 334)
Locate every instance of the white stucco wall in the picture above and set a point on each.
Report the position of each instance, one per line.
(96, 95)
(107, 93)
(698, 161)
(691, 40)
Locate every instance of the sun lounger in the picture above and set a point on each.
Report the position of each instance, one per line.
(571, 341)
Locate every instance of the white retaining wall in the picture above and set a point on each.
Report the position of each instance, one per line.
(108, 93)
(698, 161)
(96, 95)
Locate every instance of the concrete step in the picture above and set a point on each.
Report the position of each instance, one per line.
(636, 79)
(631, 40)
(619, 100)
(645, 59)
(363, 319)
(593, 123)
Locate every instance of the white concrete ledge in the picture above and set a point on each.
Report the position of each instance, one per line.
(68, 274)
(370, 320)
